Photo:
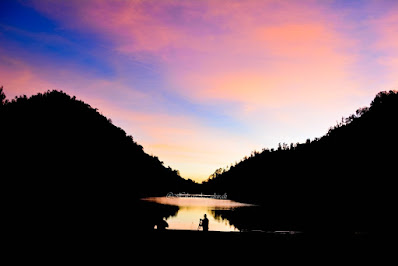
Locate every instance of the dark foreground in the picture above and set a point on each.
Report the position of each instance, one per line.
(183, 247)
(241, 238)
(254, 243)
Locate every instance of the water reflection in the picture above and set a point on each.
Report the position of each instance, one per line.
(150, 213)
(192, 209)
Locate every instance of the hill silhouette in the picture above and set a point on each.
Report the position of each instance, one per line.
(65, 163)
(342, 181)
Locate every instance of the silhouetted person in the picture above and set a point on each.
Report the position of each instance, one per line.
(162, 224)
(205, 223)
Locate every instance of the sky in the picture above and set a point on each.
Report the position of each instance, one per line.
(203, 83)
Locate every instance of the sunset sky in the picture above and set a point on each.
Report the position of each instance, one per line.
(203, 83)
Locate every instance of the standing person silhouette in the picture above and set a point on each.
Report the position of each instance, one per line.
(205, 224)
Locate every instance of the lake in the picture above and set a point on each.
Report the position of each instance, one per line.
(191, 210)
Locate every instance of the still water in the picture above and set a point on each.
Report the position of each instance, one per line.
(191, 210)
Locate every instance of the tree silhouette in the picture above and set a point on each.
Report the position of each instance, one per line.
(341, 180)
(3, 100)
(65, 162)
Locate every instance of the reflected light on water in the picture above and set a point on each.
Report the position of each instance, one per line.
(193, 209)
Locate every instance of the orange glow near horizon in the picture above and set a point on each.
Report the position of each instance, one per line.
(192, 209)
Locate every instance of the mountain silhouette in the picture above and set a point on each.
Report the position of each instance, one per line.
(66, 167)
(343, 181)
(66, 164)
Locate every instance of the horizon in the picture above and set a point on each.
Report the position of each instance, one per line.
(202, 84)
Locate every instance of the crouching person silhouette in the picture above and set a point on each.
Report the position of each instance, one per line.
(161, 225)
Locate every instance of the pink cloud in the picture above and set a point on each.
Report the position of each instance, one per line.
(202, 44)
(18, 78)
(274, 66)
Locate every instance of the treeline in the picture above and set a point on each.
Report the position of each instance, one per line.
(62, 158)
(342, 180)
